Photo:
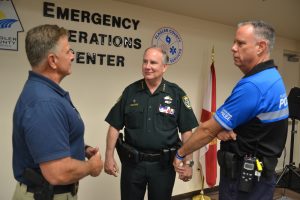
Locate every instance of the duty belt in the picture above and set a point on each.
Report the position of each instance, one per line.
(59, 189)
(128, 153)
(231, 164)
(151, 157)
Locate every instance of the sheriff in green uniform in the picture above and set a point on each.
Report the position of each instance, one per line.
(152, 110)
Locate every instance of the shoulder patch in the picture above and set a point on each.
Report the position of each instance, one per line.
(186, 102)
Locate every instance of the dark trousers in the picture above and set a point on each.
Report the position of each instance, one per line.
(135, 178)
(262, 190)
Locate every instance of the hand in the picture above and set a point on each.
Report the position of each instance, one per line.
(111, 167)
(187, 174)
(90, 151)
(226, 135)
(96, 164)
(178, 165)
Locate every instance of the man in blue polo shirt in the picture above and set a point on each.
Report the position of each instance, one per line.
(256, 112)
(47, 128)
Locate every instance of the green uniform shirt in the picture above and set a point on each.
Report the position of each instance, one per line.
(152, 121)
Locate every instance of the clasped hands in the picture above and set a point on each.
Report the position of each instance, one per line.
(185, 172)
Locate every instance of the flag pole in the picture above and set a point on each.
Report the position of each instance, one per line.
(201, 196)
(213, 55)
(211, 154)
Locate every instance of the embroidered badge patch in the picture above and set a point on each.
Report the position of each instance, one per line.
(186, 102)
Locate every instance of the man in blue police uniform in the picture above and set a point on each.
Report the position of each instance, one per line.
(48, 144)
(152, 111)
(257, 112)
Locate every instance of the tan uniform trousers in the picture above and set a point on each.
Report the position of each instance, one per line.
(22, 194)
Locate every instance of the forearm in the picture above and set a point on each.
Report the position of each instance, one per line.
(76, 171)
(65, 171)
(111, 139)
(185, 136)
(199, 139)
(202, 136)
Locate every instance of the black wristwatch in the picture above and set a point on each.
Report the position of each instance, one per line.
(190, 163)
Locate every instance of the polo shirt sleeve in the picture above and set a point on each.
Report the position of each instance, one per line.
(240, 107)
(46, 131)
(186, 117)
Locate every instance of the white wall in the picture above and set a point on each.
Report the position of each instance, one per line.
(94, 88)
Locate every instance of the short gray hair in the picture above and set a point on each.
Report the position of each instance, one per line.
(262, 30)
(40, 40)
(165, 57)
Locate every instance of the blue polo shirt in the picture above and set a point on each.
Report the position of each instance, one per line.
(257, 110)
(46, 126)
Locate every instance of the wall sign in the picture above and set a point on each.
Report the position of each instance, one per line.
(97, 39)
(10, 25)
(170, 40)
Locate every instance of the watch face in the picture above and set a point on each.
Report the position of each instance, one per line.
(191, 163)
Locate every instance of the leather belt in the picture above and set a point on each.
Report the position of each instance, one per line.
(59, 189)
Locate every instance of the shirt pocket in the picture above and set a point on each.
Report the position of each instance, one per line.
(165, 121)
(134, 117)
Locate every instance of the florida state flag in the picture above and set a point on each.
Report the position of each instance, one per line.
(209, 107)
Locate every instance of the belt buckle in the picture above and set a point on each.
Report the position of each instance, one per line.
(141, 156)
(74, 189)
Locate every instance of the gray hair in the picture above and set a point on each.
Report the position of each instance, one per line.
(262, 30)
(41, 40)
(165, 57)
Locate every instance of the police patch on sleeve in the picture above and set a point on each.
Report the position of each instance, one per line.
(186, 102)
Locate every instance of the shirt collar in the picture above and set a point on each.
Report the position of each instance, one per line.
(261, 67)
(44, 80)
(163, 87)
